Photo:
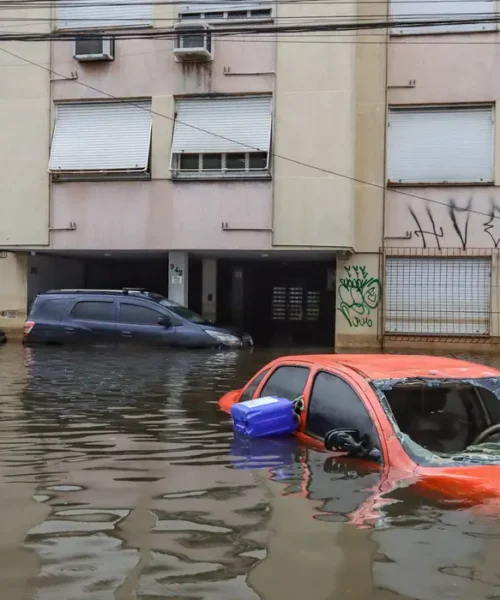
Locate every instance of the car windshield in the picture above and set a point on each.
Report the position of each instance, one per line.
(179, 309)
(453, 421)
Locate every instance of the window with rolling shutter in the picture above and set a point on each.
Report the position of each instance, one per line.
(222, 11)
(101, 137)
(89, 14)
(222, 137)
(437, 296)
(437, 10)
(442, 144)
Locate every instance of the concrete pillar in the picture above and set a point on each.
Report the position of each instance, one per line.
(209, 288)
(178, 265)
(13, 292)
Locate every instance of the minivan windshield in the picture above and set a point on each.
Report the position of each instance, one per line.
(179, 309)
(452, 421)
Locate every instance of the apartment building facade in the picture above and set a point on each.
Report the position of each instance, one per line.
(339, 191)
(211, 181)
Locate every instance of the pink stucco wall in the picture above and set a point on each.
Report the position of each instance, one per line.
(159, 215)
(446, 68)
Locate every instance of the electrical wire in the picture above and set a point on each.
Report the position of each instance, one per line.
(246, 29)
(273, 154)
(30, 4)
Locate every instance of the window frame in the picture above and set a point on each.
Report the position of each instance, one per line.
(225, 19)
(39, 315)
(307, 366)
(451, 329)
(446, 29)
(104, 174)
(137, 305)
(78, 301)
(263, 373)
(394, 108)
(98, 26)
(224, 172)
(378, 431)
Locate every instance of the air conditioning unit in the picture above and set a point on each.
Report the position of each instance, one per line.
(94, 49)
(193, 41)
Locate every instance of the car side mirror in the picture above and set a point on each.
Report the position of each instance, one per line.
(347, 440)
(165, 321)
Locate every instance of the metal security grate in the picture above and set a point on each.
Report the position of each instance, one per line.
(436, 296)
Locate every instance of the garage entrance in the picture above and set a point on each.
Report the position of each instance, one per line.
(279, 302)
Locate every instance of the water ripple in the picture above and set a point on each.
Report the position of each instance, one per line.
(122, 481)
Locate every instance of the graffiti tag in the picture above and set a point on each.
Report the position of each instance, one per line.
(359, 295)
(459, 217)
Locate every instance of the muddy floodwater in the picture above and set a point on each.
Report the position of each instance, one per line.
(120, 480)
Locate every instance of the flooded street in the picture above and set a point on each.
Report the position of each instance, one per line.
(120, 480)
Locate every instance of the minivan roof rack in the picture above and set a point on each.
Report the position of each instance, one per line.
(126, 290)
(96, 291)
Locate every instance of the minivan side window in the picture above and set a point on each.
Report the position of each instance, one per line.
(334, 404)
(254, 384)
(286, 382)
(136, 314)
(94, 310)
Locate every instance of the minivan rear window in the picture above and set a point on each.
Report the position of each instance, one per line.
(50, 309)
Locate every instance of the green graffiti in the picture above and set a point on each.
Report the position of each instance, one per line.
(359, 295)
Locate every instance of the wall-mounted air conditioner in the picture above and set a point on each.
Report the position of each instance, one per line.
(193, 41)
(94, 49)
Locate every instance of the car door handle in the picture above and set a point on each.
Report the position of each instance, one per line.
(69, 329)
(127, 333)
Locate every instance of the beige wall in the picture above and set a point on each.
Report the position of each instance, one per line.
(13, 292)
(24, 123)
(314, 124)
(359, 283)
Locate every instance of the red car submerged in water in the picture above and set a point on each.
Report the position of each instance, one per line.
(426, 421)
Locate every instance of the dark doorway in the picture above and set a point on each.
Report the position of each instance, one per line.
(279, 302)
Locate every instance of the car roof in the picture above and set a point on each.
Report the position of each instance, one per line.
(399, 366)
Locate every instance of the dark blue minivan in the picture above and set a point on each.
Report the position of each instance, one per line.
(123, 317)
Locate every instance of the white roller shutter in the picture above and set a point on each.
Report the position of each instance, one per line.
(211, 7)
(223, 125)
(84, 14)
(440, 145)
(101, 136)
(437, 296)
(436, 10)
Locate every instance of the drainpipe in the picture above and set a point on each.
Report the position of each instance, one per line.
(384, 196)
(51, 64)
(273, 129)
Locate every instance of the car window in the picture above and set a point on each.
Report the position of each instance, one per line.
(94, 310)
(286, 382)
(334, 404)
(51, 309)
(138, 315)
(254, 384)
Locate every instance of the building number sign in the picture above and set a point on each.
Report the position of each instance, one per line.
(177, 274)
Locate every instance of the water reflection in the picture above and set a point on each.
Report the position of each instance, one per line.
(120, 479)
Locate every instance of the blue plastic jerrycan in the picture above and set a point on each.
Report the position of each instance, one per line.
(264, 417)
